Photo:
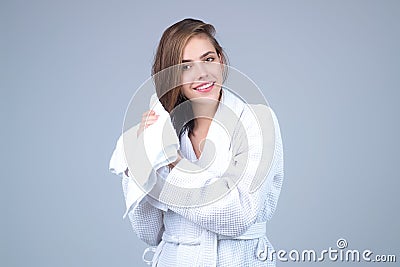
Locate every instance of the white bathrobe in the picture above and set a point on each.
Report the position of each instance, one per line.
(230, 230)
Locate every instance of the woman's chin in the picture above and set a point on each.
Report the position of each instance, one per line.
(205, 99)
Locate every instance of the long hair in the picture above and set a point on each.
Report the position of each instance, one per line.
(167, 78)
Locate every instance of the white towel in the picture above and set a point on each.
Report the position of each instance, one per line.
(160, 139)
(156, 147)
(117, 162)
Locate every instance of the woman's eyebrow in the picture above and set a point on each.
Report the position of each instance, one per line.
(204, 55)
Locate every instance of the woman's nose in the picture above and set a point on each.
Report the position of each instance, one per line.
(201, 70)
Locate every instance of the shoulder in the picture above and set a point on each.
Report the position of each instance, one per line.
(264, 115)
(262, 110)
(259, 113)
(265, 123)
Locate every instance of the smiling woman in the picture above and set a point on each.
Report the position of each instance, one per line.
(239, 173)
(192, 44)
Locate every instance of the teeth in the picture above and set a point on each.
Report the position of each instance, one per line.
(204, 86)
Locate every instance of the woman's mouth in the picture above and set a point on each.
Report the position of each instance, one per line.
(205, 87)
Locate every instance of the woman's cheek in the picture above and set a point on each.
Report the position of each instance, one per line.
(186, 90)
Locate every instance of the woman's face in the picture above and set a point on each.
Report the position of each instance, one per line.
(201, 69)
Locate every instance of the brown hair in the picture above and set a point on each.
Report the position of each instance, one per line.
(170, 53)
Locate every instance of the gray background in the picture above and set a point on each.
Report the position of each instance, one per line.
(329, 69)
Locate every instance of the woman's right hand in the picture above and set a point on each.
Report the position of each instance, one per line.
(148, 118)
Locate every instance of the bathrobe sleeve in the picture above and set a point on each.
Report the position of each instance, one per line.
(145, 218)
(232, 214)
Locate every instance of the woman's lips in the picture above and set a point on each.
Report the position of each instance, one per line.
(205, 87)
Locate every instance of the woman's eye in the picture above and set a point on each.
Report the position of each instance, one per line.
(210, 59)
(186, 67)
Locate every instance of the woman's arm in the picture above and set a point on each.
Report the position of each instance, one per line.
(237, 210)
(146, 220)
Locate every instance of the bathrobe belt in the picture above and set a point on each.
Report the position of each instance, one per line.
(208, 242)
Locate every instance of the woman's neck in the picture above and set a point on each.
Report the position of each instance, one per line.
(203, 116)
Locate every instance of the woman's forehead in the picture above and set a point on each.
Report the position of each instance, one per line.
(197, 46)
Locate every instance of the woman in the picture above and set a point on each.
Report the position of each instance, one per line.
(227, 228)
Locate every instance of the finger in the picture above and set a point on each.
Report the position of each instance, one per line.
(149, 123)
(152, 115)
(155, 117)
(149, 112)
(147, 120)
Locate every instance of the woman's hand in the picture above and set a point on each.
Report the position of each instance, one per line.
(148, 118)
